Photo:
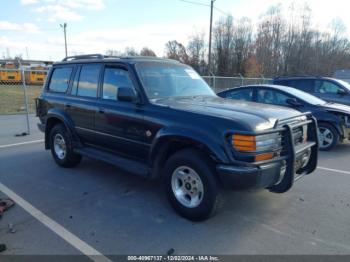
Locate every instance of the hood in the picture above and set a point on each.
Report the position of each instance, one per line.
(258, 116)
(339, 108)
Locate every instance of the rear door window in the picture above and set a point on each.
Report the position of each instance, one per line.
(326, 87)
(60, 79)
(88, 80)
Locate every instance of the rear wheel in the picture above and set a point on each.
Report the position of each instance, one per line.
(190, 184)
(328, 136)
(62, 147)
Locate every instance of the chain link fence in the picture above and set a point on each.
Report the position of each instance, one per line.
(18, 89)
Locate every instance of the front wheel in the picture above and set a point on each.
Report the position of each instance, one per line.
(190, 184)
(328, 136)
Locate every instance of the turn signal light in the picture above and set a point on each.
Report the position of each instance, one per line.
(256, 145)
(262, 157)
(244, 143)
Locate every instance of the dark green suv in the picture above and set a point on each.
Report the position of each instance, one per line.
(159, 119)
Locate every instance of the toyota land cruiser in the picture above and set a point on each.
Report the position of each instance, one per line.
(159, 119)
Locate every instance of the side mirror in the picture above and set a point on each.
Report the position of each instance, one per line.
(126, 94)
(341, 92)
(293, 102)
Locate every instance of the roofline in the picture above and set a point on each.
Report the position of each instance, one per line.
(299, 76)
(100, 57)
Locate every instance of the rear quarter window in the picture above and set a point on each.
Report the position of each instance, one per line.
(282, 82)
(306, 85)
(59, 81)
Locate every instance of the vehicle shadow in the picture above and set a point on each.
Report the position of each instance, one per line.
(137, 208)
(120, 213)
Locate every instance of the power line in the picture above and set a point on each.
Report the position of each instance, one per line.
(223, 12)
(203, 4)
(194, 2)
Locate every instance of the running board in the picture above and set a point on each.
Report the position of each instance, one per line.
(128, 165)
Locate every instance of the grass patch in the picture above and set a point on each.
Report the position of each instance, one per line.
(12, 99)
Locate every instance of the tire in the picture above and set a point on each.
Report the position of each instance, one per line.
(191, 174)
(328, 136)
(62, 147)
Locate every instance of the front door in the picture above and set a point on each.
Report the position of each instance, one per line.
(120, 125)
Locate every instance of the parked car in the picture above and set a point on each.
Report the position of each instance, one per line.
(328, 89)
(333, 119)
(159, 119)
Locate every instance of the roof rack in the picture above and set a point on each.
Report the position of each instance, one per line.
(76, 57)
(99, 56)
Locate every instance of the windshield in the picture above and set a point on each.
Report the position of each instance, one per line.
(306, 97)
(164, 80)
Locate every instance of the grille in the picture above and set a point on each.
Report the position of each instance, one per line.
(299, 135)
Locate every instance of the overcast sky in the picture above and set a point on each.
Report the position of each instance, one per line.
(97, 25)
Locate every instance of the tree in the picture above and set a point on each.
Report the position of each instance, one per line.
(196, 53)
(147, 52)
(177, 51)
(242, 39)
(252, 68)
(269, 41)
(222, 47)
(130, 51)
(111, 52)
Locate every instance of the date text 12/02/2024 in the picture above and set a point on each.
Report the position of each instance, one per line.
(173, 258)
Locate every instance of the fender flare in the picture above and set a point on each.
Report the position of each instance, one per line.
(214, 147)
(55, 113)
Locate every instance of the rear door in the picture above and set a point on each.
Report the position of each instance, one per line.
(81, 104)
(330, 91)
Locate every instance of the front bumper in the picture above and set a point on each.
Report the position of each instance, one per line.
(277, 174)
(235, 177)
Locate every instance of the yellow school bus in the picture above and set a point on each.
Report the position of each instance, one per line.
(10, 74)
(36, 75)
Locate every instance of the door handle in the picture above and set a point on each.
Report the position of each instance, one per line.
(67, 105)
(101, 110)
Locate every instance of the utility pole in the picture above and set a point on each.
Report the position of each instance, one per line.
(27, 52)
(210, 29)
(64, 26)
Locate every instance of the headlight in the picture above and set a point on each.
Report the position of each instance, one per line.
(262, 145)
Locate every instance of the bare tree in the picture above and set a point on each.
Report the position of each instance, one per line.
(196, 53)
(130, 51)
(111, 52)
(242, 38)
(177, 51)
(224, 59)
(147, 52)
(269, 41)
